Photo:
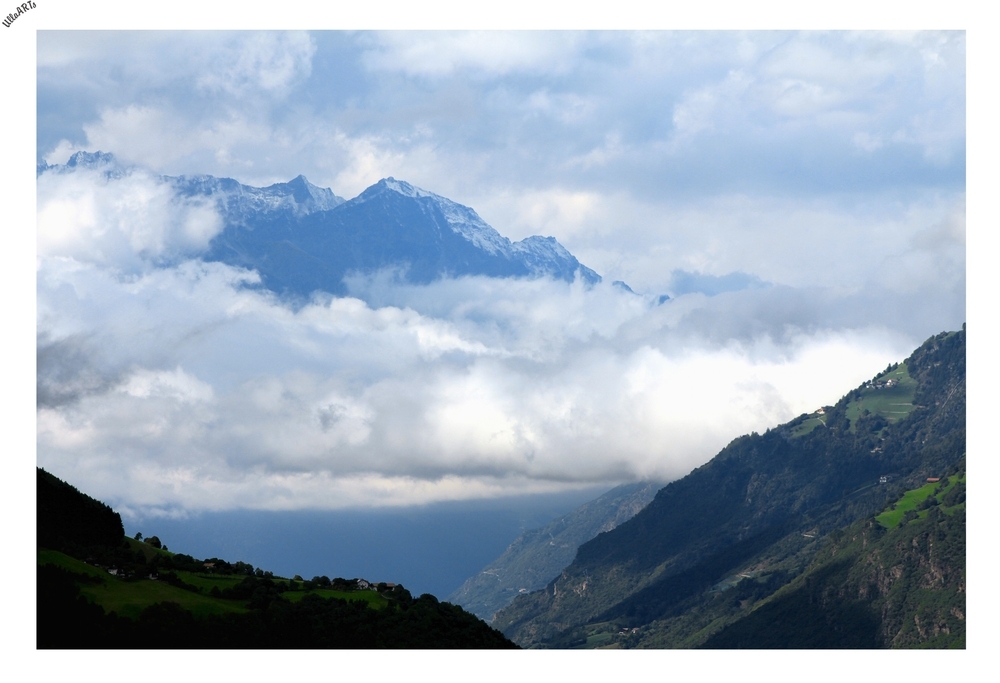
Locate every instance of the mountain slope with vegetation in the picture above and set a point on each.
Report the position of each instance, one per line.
(538, 555)
(760, 509)
(98, 589)
(872, 586)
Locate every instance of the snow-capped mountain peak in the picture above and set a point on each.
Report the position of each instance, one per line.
(545, 256)
(95, 161)
(303, 195)
(390, 184)
(405, 189)
(92, 159)
(302, 238)
(462, 220)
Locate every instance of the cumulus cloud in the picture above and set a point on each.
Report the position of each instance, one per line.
(269, 62)
(342, 403)
(490, 53)
(242, 63)
(651, 113)
(172, 101)
(122, 222)
(838, 241)
(166, 140)
(838, 84)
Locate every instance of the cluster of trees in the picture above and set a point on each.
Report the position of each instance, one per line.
(81, 527)
(72, 522)
(211, 565)
(153, 541)
(258, 590)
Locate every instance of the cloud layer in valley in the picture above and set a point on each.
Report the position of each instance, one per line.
(801, 197)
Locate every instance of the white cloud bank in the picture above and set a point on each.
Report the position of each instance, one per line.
(120, 222)
(169, 385)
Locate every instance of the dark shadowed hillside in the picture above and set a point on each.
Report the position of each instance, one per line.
(98, 589)
(70, 520)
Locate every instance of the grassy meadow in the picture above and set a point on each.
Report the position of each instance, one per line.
(893, 403)
(129, 598)
(913, 499)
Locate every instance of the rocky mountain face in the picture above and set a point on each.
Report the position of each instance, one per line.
(302, 238)
(538, 555)
(760, 509)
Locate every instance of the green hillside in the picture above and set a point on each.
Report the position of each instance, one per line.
(737, 529)
(920, 500)
(130, 598)
(889, 395)
(102, 590)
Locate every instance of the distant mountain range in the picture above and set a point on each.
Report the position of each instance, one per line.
(743, 551)
(302, 238)
(538, 555)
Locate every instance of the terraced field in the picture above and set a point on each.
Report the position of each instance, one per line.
(891, 402)
(807, 425)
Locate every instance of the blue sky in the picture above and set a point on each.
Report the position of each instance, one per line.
(622, 145)
(812, 182)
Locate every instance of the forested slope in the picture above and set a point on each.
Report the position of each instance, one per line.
(873, 587)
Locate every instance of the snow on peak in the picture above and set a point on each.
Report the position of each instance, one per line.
(467, 223)
(544, 255)
(547, 247)
(405, 189)
(303, 195)
(92, 159)
(461, 219)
